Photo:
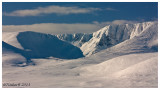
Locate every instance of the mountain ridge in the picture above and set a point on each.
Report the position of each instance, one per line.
(91, 43)
(106, 37)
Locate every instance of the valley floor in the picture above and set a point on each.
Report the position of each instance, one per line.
(126, 71)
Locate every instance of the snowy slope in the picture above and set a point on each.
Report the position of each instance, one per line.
(11, 38)
(11, 58)
(121, 72)
(106, 37)
(124, 71)
(126, 56)
(112, 35)
(119, 63)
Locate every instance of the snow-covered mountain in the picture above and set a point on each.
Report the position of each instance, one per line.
(77, 39)
(89, 44)
(106, 37)
(39, 45)
(117, 56)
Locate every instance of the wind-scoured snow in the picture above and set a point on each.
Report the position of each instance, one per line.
(118, 56)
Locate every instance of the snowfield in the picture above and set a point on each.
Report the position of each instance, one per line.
(116, 56)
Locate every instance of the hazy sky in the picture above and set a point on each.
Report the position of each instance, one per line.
(53, 17)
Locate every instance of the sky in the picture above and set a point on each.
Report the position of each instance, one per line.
(73, 17)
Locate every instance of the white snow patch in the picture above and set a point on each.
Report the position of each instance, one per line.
(11, 38)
